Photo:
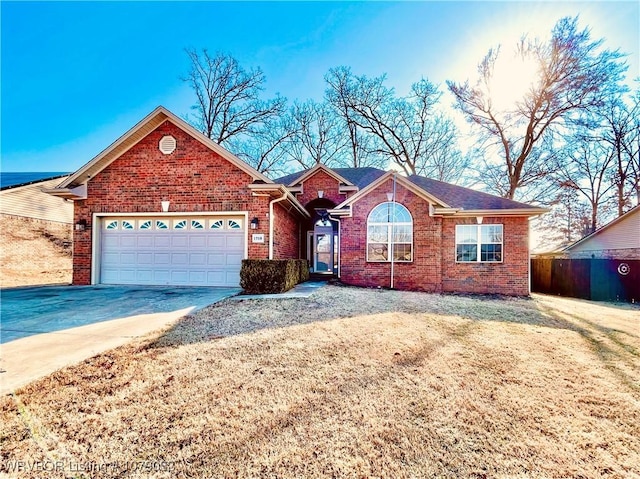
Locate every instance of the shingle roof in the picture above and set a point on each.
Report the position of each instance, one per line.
(455, 196)
(465, 198)
(360, 177)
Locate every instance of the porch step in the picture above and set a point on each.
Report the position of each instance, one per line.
(321, 276)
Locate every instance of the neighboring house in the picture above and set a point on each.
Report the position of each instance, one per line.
(166, 205)
(619, 239)
(23, 196)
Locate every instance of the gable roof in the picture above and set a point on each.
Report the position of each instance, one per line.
(607, 228)
(402, 180)
(136, 134)
(448, 198)
(359, 177)
(292, 180)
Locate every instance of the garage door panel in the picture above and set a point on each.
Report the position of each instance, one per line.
(234, 241)
(216, 259)
(162, 241)
(216, 277)
(128, 275)
(180, 276)
(232, 277)
(233, 259)
(162, 258)
(179, 241)
(110, 258)
(128, 241)
(161, 276)
(197, 259)
(144, 275)
(197, 277)
(216, 241)
(110, 241)
(179, 259)
(145, 258)
(110, 275)
(145, 241)
(198, 241)
(166, 256)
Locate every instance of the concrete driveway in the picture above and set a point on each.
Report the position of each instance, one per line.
(46, 328)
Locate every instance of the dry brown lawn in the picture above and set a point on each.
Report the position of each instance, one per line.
(34, 252)
(348, 383)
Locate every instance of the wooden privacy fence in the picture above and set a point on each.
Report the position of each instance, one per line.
(596, 279)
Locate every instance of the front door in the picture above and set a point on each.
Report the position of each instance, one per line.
(323, 246)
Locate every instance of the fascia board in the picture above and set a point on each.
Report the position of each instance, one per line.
(400, 179)
(324, 168)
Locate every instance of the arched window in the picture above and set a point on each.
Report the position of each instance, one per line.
(390, 233)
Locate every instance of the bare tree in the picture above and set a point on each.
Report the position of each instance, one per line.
(268, 148)
(585, 168)
(228, 96)
(567, 221)
(573, 73)
(406, 129)
(442, 159)
(360, 150)
(619, 129)
(318, 137)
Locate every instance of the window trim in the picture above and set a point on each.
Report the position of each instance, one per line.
(389, 241)
(479, 244)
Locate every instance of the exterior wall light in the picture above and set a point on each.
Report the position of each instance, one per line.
(81, 225)
(254, 223)
(165, 206)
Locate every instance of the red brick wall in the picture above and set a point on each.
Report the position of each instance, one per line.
(433, 267)
(423, 274)
(320, 181)
(286, 234)
(509, 277)
(193, 178)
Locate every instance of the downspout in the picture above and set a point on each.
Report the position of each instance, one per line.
(393, 221)
(272, 222)
(339, 244)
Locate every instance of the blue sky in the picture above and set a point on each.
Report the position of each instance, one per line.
(75, 76)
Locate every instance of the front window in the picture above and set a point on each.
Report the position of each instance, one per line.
(390, 233)
(479, 243)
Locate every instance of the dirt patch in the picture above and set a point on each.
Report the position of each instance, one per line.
(34, 252)
(350, 383)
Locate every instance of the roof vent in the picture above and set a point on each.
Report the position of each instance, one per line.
(167, 144)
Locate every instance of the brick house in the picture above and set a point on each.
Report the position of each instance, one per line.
(166, 205)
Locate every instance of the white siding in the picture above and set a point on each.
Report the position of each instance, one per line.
(31, 202)
(624, 234)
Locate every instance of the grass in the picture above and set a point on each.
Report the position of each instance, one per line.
(350, 383)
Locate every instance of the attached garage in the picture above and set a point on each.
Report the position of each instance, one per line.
(171, 250)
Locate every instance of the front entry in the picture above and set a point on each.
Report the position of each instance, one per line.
(323, 248)
(322, 239)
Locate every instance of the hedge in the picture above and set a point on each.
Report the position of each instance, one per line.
(261, 276)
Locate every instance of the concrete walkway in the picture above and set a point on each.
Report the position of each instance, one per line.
(302, 290)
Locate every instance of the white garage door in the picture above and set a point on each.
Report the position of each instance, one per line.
(198, 251)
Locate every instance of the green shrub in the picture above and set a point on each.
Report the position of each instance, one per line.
(261, 276)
